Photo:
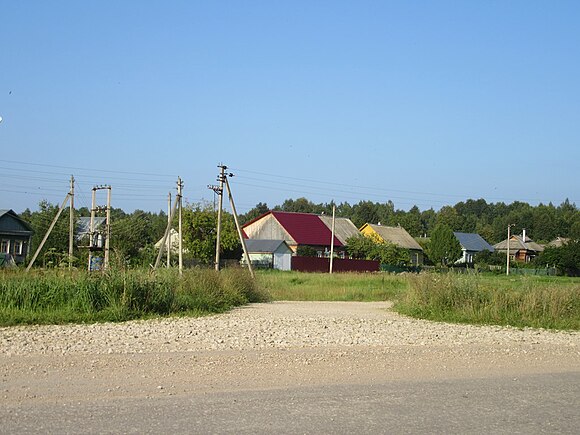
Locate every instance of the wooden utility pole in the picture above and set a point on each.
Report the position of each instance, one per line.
(180, 234)
(92, 228)
(108, 229)
(168, 247)
(48, 232)
(71, 226)
(507, 269)
(332, 238)
(220, 192)
(240, 234)
(166, 234)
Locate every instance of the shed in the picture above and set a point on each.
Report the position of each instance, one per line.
(272, 254)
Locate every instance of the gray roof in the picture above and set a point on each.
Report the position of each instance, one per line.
(517, 243)
(266, 246)
(343, 227)
(396, 235)
(473, 242)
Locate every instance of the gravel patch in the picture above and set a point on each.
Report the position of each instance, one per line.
(278, 325)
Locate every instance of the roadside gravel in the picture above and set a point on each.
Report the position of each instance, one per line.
(278, 325)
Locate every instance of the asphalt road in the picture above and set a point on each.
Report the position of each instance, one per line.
(544, 403)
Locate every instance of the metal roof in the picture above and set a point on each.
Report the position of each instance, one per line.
(473, 242)
(266, 246)
(306, 228)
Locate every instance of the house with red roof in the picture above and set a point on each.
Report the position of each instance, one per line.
(301, 229)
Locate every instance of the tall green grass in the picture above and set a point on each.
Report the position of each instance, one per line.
(520, 302)
(58, 296)
(298, 286)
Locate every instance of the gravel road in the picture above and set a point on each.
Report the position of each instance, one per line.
(271, 345)
(278, 325)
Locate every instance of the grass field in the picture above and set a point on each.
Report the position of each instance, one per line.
(61, 296)
(297, 286)
(534, 301)
(57, 296)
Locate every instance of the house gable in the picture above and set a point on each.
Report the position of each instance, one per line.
(12, 224)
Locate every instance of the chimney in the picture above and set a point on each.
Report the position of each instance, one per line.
(524, 235)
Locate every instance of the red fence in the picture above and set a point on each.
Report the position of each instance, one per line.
(317, 264)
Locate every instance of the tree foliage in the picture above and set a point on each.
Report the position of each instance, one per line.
(199, 224)
(444, 248)
(565, 257)
(367, 248)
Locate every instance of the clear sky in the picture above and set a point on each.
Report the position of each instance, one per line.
(418, 102)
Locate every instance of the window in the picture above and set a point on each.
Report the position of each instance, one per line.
(5, 247)
(18, 247)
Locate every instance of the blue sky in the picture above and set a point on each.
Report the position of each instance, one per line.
(425, 103)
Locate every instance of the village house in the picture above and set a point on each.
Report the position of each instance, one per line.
(522, 248)
(397, 236)
(471, 244)
(15, 235)
(302, 229)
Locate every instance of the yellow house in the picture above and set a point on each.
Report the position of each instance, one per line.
(397, 236)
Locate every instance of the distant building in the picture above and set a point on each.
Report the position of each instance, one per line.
(397, 236)
(558, 242)
(301, 229)
(471, 244)
(522, 248)
(15, 235)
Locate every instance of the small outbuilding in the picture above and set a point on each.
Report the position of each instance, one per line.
(270, 254)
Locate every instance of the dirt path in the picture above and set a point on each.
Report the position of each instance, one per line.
(264, 346)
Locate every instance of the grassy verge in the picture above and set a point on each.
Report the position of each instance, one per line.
(61, 296)
(297, 286)
(540, 302)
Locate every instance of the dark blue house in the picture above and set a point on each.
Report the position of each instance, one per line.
(15, 235)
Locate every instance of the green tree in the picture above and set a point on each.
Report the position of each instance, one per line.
(565, 257)
(367, 248)
(258, 210)
(444, 248)
(199, 233)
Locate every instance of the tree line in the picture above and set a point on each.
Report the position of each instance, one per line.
(133, 235)
(542, 223)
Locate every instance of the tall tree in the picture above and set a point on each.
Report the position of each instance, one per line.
(444, 248)
(199, 233)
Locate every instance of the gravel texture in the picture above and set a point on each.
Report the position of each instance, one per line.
(279, 325)
(280, 345)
